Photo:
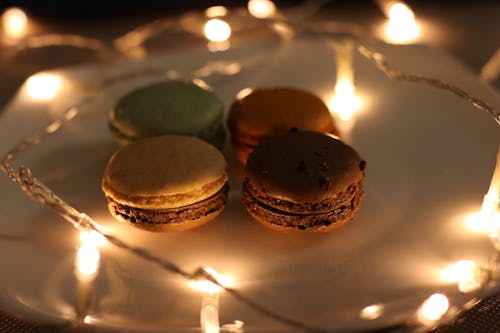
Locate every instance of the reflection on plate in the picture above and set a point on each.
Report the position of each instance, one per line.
(429, 154)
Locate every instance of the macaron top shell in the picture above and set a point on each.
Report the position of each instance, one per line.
(273, 110)
(167, 107)
(303, 167)
(164, 172)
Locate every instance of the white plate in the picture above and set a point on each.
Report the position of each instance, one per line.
(429, 158)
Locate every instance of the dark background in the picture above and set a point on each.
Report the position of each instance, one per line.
(468, 30)
(76, 9)
(472, 27)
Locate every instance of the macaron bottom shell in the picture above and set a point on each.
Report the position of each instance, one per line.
(279, 220)
(172, 219)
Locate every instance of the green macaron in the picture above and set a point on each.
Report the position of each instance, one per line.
(168, 107)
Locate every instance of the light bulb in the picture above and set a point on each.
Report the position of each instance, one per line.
(372, 312)
(14, 23)
(261, 8)
(434, 308)
(92, 238)
(87, 261)
(216, 11)
(217, 30)
(43, 86)
(466, 273)
(402, 27)
(345, 102)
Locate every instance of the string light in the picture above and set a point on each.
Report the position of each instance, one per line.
(216, 11)
(483, 222)
(433, 309)
(43, 86)
(92, 238)
(345, 102)
(217, 30)
(261, 8)
(243, 93)
(491, 199)
(466, 273)
(87, 261)
(401, 26)
(372, 312)
(487, 220)
(14, 23)
(209, 314)
(236, 326)
(87, 264)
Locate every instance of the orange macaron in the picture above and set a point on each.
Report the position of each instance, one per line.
(274, 110)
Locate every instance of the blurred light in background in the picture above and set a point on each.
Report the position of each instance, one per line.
(345, 102)
(433, 308)
(261, 8)
(43, 86)
(217, 30)
(87, 261)
(14, 23)
(216, 11)
(402, 27)
(372, 312)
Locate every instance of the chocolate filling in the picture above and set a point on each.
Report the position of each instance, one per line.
(337, 200)
(342, 213)
(173, 215)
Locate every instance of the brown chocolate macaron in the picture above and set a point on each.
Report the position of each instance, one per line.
(303, 181)
(258, 113)
(166, 183)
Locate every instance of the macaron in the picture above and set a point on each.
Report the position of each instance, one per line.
(168, 107)
(166, 183)
(303, 181)
(256, 114)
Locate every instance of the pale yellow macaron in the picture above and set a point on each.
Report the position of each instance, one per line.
(166, 183)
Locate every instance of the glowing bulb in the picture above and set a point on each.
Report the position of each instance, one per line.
(399, 32)
(261, 8)
(87, 261)
(466, 273)
(209, 314)
(43, 86)
(243, 93)
(216, 11)
(14, 22)
(372, 311)
(483, 222)
(217, 30)
(459, 271)
(207, 286)
(434, 308)
(235, 327)
(491, 200)
(401, 12)
(202, 84)
(401, 27)
(92, 238)
(345, 102)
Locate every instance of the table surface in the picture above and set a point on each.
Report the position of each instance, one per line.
(468, 30)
